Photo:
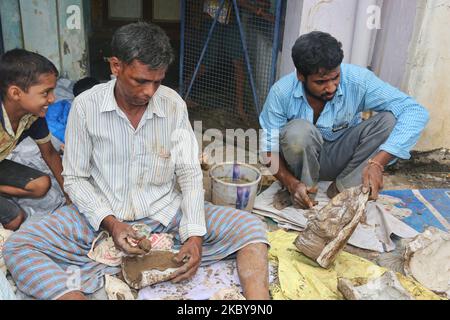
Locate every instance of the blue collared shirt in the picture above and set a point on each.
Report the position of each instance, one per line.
(359, 91)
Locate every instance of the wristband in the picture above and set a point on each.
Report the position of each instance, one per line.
(379, 165)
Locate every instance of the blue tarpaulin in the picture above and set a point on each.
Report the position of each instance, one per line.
(56, 116)
(429, 207)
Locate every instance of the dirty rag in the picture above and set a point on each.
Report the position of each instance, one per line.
(116, 289)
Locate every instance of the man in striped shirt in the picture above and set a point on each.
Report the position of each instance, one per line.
(313, 126)
(128, 142)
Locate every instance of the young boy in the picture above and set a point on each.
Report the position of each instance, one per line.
(27, 81)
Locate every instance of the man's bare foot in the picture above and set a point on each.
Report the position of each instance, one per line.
(332, 190)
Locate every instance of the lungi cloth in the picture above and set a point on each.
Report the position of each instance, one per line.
(49, 258)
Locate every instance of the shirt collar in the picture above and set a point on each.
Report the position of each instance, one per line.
(155, 107)
(299, 91)
(5, 122)
(110, 103)
(340, 92)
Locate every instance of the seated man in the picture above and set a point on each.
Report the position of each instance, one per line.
(127, 144)
(313, 127)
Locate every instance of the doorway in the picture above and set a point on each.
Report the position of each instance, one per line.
(106, 16)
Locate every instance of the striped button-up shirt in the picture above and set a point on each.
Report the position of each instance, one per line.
(359, 91)
(110, 168)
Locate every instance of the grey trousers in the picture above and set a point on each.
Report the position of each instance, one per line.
(311, 159)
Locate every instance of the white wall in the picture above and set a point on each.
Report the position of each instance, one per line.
(427, 75)
(291, 32)
(393, 40)
(346, 20)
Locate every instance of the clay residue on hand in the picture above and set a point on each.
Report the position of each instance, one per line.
(282, 199)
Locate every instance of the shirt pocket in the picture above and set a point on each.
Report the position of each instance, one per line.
(339, 126)
(342, 120)
(160, 168)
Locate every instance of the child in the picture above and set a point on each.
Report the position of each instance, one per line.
(27, 81)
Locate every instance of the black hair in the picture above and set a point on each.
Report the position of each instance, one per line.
(144, 42)
(315, 51)
(23, 68)
(84, 84)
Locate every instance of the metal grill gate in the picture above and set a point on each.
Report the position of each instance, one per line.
(229, 51)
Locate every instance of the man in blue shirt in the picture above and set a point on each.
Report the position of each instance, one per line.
(314, 130)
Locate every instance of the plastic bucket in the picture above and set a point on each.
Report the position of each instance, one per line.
(234, 185)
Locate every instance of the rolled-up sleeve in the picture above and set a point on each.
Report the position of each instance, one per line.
(77, 170)
(185, 153)
(411, 117)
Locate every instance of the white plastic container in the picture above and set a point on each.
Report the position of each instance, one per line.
(234, 185)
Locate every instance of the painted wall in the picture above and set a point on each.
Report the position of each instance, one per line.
(53, 28)
(427, 75)
(11, 24)
(72, 39)
(40, 28)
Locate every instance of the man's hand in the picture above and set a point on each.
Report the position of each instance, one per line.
(191, 254)
(373, 180)
(300, 195)
(120, 232)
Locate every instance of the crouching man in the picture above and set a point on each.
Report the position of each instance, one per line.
(313, 126)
